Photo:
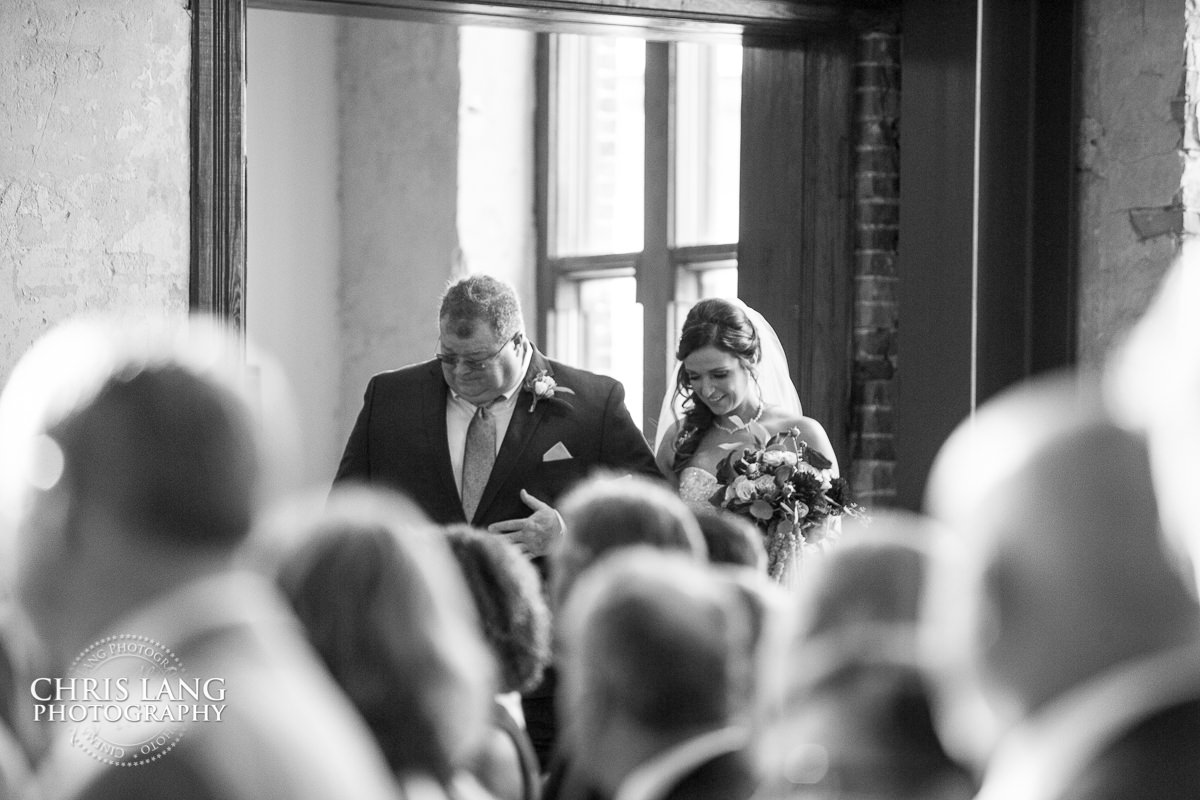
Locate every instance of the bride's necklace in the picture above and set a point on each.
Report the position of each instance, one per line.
(740, 426)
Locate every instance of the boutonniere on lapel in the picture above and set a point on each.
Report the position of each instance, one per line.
(543, 387)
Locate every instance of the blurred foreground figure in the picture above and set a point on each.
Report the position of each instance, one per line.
(604, 514)
(1083, 637)
(515, 621)
(129, 467)
(856, 718)
(384, 604)
(1154, 386)
(658, 679)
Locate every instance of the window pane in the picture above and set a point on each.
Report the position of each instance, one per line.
(708, 103)
(599, 141)
(598, 326)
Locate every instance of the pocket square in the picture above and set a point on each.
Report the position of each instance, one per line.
(557, 453)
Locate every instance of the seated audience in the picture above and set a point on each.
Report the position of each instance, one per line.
(130, 468)
(605, 513)
(657, 680)
(856, 719)
(516, 625)
(600, 515)
(387, 609)
(731, 539)
(1071, 615)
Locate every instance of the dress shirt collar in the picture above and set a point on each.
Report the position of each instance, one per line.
(654, 778)
(1038, 759)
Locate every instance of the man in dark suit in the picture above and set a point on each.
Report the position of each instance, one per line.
(130, 467)
(551, 424)
(658, 678)
(492, 432)
(1063, 603)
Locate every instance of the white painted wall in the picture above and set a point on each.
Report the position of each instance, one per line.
(384, 159)
(294, 219)
(496, 158)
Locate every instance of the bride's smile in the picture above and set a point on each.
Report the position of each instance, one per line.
(722, 382)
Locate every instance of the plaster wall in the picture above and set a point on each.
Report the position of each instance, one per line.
(1129, 164)
(496, 159)
(294, 220)
(399, 89)
(93, 162)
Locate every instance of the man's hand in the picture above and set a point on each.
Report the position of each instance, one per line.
(537, 534)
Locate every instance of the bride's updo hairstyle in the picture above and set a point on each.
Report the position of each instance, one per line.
(711, 323)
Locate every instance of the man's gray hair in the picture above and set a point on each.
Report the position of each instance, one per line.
(482, 298)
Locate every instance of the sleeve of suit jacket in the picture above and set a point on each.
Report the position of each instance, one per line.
(355, 465)
(623, 448)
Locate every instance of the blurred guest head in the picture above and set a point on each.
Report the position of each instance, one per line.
(605, 513)
(129, 462)
(387, 609)
(732, 539)
(656, 652)
(856, 716)
(1154, 387)
(1059, 574)
(508, 596)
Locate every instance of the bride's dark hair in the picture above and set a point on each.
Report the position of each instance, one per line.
(711, 323)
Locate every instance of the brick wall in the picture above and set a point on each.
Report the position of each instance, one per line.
(876, 312)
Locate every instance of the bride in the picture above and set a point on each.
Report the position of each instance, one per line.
(732, 390)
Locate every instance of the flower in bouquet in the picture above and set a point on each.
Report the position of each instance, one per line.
(788, 489)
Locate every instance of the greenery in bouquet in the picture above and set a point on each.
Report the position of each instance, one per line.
(788, 489)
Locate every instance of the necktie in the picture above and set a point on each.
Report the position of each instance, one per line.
(478, 457)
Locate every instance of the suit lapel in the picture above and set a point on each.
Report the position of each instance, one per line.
(520, 431)
(433, 418)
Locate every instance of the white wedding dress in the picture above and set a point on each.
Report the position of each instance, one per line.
(696, 486)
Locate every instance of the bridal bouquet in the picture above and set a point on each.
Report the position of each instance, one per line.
(788, 490)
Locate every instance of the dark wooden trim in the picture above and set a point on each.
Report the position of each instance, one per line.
(218, 170)
(570, 266)
(655, 278)
(696, 256)
(542, 189)
(651, 18)
(795, 262)
(982, 314)
(935, 264)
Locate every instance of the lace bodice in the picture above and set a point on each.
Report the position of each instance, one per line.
(696, 486)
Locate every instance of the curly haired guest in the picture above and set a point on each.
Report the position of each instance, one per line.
(388, 611)
(516, 624)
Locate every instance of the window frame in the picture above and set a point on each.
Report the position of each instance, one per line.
(656, 267)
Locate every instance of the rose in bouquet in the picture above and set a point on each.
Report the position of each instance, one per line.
(788, 489)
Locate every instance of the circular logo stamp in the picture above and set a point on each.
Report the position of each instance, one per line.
(123, 695)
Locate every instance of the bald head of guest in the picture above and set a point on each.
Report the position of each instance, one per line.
(130, 462)
(1061, 573)
(1153, 386)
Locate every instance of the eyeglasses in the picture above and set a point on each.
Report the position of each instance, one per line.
(450, 361)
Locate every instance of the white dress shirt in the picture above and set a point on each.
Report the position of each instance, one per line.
(459, 413)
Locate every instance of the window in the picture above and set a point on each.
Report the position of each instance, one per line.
(640, 173)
